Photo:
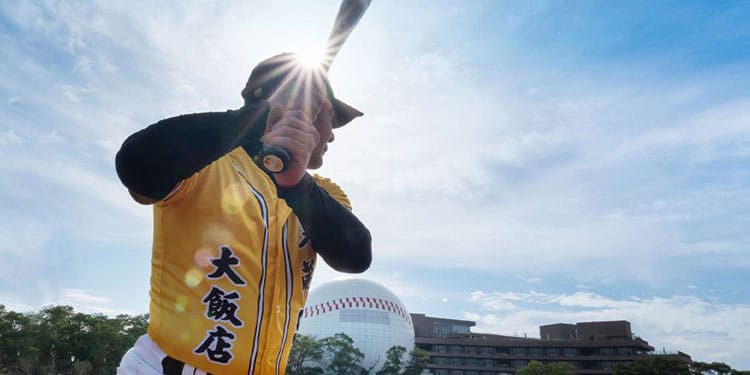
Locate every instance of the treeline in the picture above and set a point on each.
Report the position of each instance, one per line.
(58, 340)
(655, 365)
(338, 355)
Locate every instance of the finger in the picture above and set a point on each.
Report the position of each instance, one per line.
(274, 115)
(299, 151)
(293, 128)
(302, 134)
(298, 114)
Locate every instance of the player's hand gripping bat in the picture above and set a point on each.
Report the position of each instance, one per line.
(275, 159)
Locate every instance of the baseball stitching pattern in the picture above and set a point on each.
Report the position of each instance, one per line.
(357, 302)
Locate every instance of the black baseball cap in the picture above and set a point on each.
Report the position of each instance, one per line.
(270, 73)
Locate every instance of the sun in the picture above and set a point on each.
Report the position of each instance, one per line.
(310, 57)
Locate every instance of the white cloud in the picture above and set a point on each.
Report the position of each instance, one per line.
(465, 159)
(10, 136)
(81, 296)
(90, 302)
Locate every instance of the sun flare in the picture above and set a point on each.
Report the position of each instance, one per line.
(310, 57)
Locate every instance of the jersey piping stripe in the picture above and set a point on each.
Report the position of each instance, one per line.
(262, 282)
(289, 291)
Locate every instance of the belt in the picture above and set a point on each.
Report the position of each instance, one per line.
(171, 366)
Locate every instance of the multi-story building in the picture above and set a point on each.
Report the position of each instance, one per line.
(590, 347)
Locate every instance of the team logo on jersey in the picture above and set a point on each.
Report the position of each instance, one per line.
(221, 305)
(217, 345)
(225, 264)
(303, 238)
(308, 266)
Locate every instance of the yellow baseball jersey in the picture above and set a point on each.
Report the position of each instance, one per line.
(230, 269)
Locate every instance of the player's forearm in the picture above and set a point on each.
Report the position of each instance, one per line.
(153, 160)
(336, 234)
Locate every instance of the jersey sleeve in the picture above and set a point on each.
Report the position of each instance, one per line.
(333, 189)
(183, 188)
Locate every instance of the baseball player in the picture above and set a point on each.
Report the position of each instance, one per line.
(235, 247)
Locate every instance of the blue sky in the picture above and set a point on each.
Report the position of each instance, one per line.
(519, 163)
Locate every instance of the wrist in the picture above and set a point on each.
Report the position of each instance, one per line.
(294, 188)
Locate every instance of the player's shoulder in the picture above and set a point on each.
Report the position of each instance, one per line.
(333, 189)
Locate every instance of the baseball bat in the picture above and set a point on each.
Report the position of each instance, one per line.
(276, 159)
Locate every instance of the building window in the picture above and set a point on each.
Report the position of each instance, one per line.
(553, 352)
(569, 352)
(440, 348)
(441, 371)
(471, 349)
(442, 329)
(535, 352)
(606, 352)
(457, 372)
(485, 350)
(518, 363)
(624, 351)
(455, 349)
(518, 351)
(455, 361)
(441, 360)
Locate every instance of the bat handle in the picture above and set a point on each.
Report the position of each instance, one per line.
(274, 159)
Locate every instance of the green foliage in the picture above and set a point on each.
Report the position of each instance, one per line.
(713, 368)
(393, 361)
(342, 357)
(337, 355)
(657, 365)
(58, 340)
(305, 356)
(418, 360)
(395, 364)
(662, 365)
(556, 368)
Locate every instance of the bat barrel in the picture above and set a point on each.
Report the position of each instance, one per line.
(350, 12)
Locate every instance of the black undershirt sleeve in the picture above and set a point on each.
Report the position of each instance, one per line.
(152, 161)
(335, 232)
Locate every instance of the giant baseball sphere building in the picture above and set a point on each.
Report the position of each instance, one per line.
(366, 311)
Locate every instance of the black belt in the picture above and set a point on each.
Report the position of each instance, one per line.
(171, 366)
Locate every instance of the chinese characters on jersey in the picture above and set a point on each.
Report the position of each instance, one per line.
(222, 307)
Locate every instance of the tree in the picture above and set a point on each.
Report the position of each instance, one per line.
(394, 363)
(305, 356)
(341, 355)
(652, 366)
(713, 368)
(58, 340)
(17, 349)
(418, 360)
(659, 365)
(537, 368)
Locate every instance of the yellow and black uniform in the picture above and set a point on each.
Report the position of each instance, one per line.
(233, 253)
(230, 269)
